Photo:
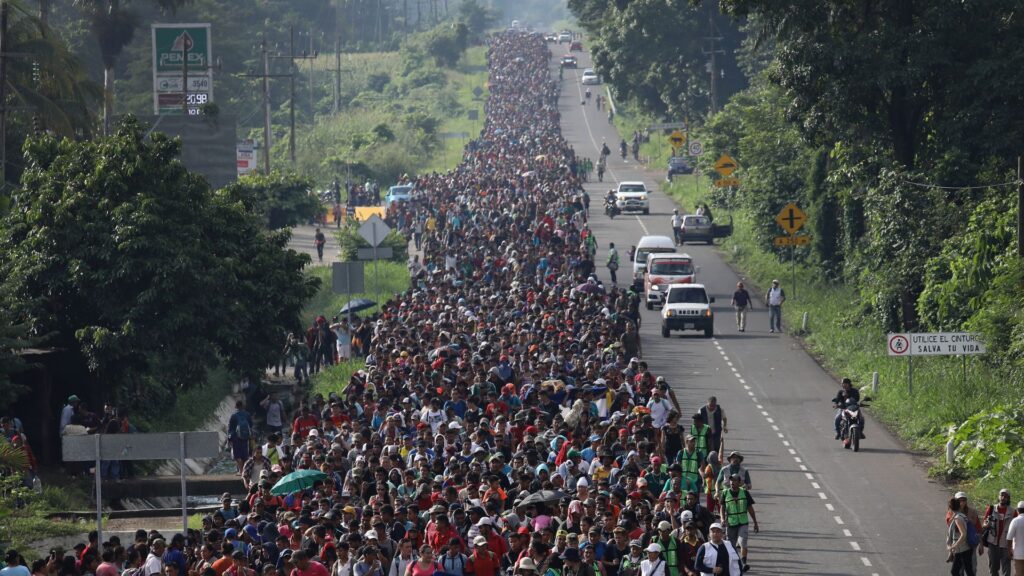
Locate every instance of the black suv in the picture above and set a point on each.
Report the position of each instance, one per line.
(678, 165)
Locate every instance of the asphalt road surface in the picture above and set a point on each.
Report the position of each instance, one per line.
(823, 510)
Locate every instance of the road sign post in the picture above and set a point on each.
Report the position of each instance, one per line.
(159, 446)
(791, 218)
(374, 231)
(961, 344)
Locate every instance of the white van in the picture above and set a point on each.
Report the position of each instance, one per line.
(650, 245)
(664, 270)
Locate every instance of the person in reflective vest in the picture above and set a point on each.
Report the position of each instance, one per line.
(669, 547)
(738, 506)
(702, 433)
(690, 460)
(717, 557)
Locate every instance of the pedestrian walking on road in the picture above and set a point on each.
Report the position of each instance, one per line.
(774, 298)
(994, 529)
(319, 239)
(959, 549)
(714, 416)
(741, 302)
(738, 506)
(1015, 540)
(613, 261)
(718, 556)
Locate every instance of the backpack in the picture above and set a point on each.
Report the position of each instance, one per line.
(973, 538)
(243, 430)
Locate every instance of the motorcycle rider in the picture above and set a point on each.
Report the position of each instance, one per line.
(677, 226)
(846, 397)
(609, 204)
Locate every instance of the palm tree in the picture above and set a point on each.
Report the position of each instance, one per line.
(113, 25)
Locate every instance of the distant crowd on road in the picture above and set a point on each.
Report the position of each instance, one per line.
(506, 421)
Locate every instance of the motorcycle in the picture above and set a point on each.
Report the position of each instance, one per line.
(611, 210)
(851, 424)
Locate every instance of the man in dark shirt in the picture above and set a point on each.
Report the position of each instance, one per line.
(631, 342)
(742, 302)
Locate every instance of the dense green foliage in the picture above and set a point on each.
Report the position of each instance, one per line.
(115, 251)
(350, 242)
(281, 199)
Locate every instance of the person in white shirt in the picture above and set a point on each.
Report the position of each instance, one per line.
(155, 561)
(653, 565)
(1015, 540)
(774, 299)
(660, 408)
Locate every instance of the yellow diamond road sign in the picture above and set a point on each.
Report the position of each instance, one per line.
(725, 166)
(791, 218)
(677, 139)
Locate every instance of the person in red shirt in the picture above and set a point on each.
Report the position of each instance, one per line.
(441, 533)
(306, 567)
(495, 542)
(305, 422)
(483, 562)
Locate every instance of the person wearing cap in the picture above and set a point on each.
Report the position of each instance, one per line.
(959, 549)
(526, 566)
(572, 564)
(689, 542)
(670, 546)
(774, 298)
(483, 561)
(654, 564)
(994, 529)
(738, 506)
(1015, 540)
(495, 542)
(659, 405)
(701, 432)
(68, 412)
(629, 565)
(690, 460)
(734, 467)
(369, 563)
(717, 557)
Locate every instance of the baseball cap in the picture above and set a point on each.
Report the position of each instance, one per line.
(479, 541)
(960, 495)
(716, 526)
(664, 525)
(654, 547)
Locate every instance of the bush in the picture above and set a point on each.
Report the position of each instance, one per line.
(990, 443)
(350, 242)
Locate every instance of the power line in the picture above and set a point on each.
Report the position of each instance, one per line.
(936, 186)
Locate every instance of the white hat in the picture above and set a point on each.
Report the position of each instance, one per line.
(370, 535)
(479, 541)
(582, 482)
(716, 526)
(641, 481)
(1020, 505)
(960, 495)
(686, 516)
(664, 525)
(454, 426)
(485, 521)
(314, 432)
(654, 547)
(527, 564)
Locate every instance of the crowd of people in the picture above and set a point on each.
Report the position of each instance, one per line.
(506, 422)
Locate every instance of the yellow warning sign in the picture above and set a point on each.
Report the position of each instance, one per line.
(725, 166)
(677, 139)
(791, 218)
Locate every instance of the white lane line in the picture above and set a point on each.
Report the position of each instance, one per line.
(742, 381)
(746, 387)
(785, 443)
(753, 398)
(791, 451)
(781, 435)
(822, 495)
(729, 363)
(797, 459)
(855, 546)
(774, 427)
(809, 476)
(759, 407)
(838, 520)
(642, 225)
(815, 486)
(764, 413)
(724, 357)
(804, 468)
(830, 507)
(750, 393)
(865, 561)
(770, 421)
(847, 533)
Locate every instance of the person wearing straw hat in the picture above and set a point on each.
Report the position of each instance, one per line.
(718, 557)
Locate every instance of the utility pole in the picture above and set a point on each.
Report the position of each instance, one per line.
(292, 57)
(266, 105)
(3, 94)
(337, 76)
(712, 65)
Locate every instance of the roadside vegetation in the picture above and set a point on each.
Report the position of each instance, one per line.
(910, 194)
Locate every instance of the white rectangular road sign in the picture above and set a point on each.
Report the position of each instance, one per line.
(934, 344)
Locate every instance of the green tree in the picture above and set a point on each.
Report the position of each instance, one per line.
(280, 199)
(478, 18)
(130, 261)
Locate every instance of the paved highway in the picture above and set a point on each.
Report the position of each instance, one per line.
(822, 510)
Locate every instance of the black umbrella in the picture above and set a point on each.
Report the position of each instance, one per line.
(542, 497)
(357, 305)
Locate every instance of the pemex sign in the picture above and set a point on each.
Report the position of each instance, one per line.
(171, 42)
